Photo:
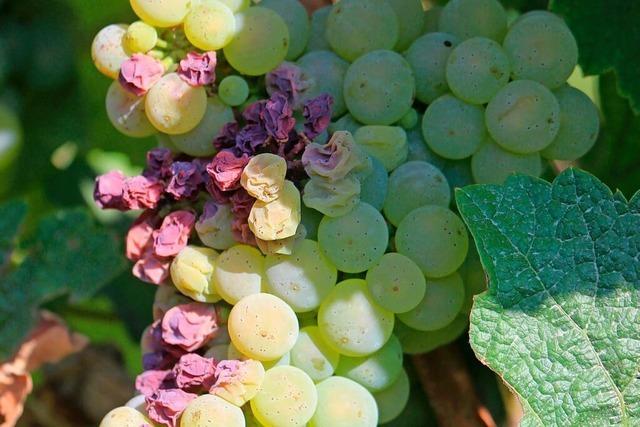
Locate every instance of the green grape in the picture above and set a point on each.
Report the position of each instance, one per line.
(524, 117)
(163, 141)
(261, 41)
(355, 27)
(477, 69)
(473, 277)
(458, 173)
(388, 144)
(234, 354)
(317, 39)
(545, 13)
(492, 164)
(210, 25)
(332, 198)
(107, 50)
(327, 70)
(409, 120)
(351, 322)
(211, 411)
(441, 304)
(434, 238)
(235, 5)
(161, 13)
(139, 38)
(198, 142)
(376, 371)
(10, 137)
(412, 185)
(432, 19)
(313, 355)
(295, 16)
(355, 241)
(216, 231)
(191, 273)
(301, 279)
(344, 403)
(239, 272)
(428, 58)
(233, 90)
(311, 220)
(474, 18)
(346, 123)
(173, 106)
(392, 400)
(396, 283)
(410, 21)
(263, 327)
(287, 398)
(541, 48)
(418, 342)
(373, 188)
(579, 125)
(124, 416)
(126, 112)
(379, 87)
(453, 128)
(419, 150)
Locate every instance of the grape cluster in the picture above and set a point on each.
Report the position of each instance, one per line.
(297, 215)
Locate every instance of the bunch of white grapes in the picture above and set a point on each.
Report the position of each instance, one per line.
(391, 269)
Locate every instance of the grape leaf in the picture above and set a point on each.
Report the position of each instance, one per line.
(12, 215)
(616, 45)
(560, 322)
(67, 254)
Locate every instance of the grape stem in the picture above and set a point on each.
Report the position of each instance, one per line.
(446, 381)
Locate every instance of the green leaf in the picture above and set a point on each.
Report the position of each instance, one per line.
(68, 254)
(608, 37)
(12, 215)
(560, 322)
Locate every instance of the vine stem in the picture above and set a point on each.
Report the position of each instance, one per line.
(446, 382)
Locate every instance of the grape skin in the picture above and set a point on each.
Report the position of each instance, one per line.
(327, 70)
(410, 21)
(474, 18)
(124, 416)
(210, 25)
(297, 20)
(233, 91)
(492, 164)
(126, 112)
(344, 403)
(239, 271)
(211, 411)
(392, 400)
(313, 355)
(161, 13)
(107, 50)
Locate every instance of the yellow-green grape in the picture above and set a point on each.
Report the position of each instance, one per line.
(355, 241)
(263, 327)
(396, 283)
(344, 403)
(474, 18)
(313, 355)
(311, 220)
(352, 322)
(410, 21)
(240, 383)
(161, 13)
(249, 418)
(317, 39)
(477, 69)
(233, 90)
(302, 279)
(10, 137)
(327, 71)
(345, 123)
(523, 117)
(198, 141)
(137, 402)
(215, 232)
(412, 185)
(428, 59)
(263, 177)
(332, 198)
(392, 400)
(235, 5)
(432, 19)
(173, 106)
(234, 354)
(386, 143)
(284, 246)
(355, 27)
(239, 272)
(417, 342)
(218, 352)
(211, 411)
(261, 41)
(379, 86)
(164, 141)
(279, 218)
(295, 16)
(542, 48)
(373, 188)
(473, 277)
(441, 304)
(434, 238)
(579, 124)
(107, 50)
(409, 120)
(140, 38)
(453, 128)
(191, 273)
(376, 371)
(492, 164)
(124, 417)
(287, 398)
(126, 112)
(210, 25)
